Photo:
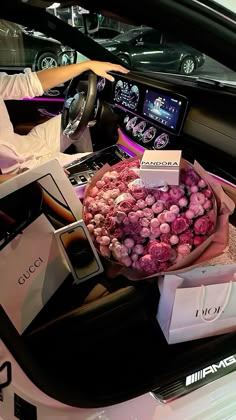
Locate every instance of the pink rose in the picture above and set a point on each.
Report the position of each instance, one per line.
(127, 175)
(138, 249)
(198, 240)
(125, 205)
(88, 217)
(198, 198)
(110, 223)
(160, 251)
(117, 233)
(141, 204)
(179, 225)
(184, 249)
(208, 193)
(150, 200)
(197, 209)
(202, 184)
(139, 193)
(165, 237)
(157, 207)
(186, 237)
(203, 226)
(191, 177)
(144, 222)
(165, 228)
(133, 217)
(105, 251)
(148, 265)
(176, 193)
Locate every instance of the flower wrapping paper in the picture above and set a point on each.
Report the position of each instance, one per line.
(216, 244)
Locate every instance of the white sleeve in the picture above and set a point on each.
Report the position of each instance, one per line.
(21, 85)
(9, 160)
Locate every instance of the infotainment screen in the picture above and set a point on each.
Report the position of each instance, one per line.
(164, 109)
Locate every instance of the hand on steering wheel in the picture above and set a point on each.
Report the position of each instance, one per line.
(79, 102)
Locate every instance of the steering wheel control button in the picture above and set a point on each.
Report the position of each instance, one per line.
(161, 141)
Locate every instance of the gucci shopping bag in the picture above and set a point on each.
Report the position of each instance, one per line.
(32, 206)
(199, 303)
(31, 270)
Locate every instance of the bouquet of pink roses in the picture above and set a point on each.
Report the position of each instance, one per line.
(150, 231)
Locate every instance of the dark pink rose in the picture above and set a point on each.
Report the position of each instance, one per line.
(127, 175)
(191, 178)
(119, 184)
(163, 266)
(186, 237)
(198, 240)
(160, 251)
(110, 223)
(125, 205)
(175, 193)
(165, 237)
(148, 265)
(203, 226)
(117, 233)
(179, 225)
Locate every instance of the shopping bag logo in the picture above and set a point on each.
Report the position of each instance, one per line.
(209, 311)
(201, 374)
(31, 270)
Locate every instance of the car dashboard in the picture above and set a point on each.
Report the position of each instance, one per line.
(152, 114)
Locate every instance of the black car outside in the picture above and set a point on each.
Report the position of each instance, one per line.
(149, 49)
(21, 48)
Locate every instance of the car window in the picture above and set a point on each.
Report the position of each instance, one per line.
(22, 47)
(151, 50)
(152, 38)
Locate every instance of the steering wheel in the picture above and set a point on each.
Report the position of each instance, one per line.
(79, 105)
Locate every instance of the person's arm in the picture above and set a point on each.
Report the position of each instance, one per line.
(52, 77)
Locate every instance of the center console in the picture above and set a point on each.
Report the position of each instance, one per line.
(82, 170)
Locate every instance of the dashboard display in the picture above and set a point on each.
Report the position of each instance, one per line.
(164, 109)
(127, 95)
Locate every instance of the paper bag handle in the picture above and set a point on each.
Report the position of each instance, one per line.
(202, 296)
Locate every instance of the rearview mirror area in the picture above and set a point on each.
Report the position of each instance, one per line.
(91, 22)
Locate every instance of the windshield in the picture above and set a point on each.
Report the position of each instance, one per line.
(151, 50)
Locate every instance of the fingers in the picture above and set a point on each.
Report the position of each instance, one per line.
(109, 77)
(117, 67)
(114, 67)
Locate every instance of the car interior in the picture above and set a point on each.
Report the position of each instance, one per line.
(99, 343)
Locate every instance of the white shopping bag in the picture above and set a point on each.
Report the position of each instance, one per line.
(32, 206)
(31, 270)
(200, 303)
